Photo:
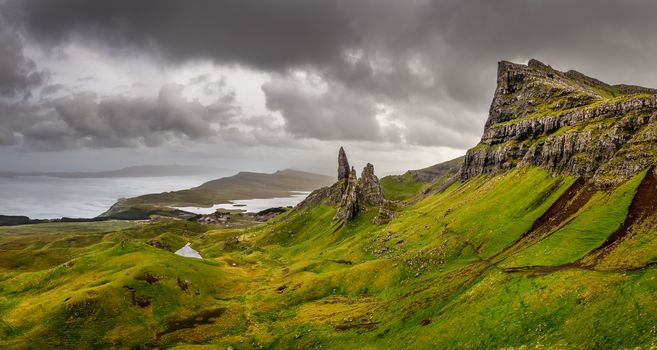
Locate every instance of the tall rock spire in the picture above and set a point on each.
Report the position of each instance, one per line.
(343, 165)
(350, 194)
(348, 206)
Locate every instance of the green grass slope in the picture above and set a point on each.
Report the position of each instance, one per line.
(413, 182)
(401, 187)
(457, 268)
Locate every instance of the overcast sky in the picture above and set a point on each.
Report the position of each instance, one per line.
(272, 84)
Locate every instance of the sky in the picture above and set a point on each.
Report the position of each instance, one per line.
(263, 85)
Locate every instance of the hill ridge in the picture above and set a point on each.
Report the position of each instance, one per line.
(243, 185)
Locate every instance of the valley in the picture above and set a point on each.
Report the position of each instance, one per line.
(542, 236)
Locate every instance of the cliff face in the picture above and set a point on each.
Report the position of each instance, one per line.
(567, 123)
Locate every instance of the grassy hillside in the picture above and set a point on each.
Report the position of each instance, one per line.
(521, 259)
(411, 183)
(244, 185)
(401, 187)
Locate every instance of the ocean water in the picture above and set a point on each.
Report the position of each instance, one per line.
(252, 205)
(42, 197)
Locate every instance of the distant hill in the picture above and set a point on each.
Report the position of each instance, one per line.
(431, 173)
(244, 185)
(133, 171)
(412, 182)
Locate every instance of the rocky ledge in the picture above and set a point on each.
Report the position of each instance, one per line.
(567, 123)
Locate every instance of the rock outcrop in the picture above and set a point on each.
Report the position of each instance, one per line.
(349, 195)
(347, 208)
(567, 123)
(369, 188)
(343, 165)
(354, 194)
(386, 213)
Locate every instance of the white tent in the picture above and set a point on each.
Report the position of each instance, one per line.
(188, 252)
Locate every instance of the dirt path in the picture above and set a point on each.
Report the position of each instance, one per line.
(558, 214)
(643, 205)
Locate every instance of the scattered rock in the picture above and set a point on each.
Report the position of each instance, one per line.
(340, 261)
(230, 241)
(82, 308)
(147, 277)
(137, 300)
(158, 244)
(386, 213)
(183, 285)
(368, 326)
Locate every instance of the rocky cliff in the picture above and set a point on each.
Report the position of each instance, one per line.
(566, 122)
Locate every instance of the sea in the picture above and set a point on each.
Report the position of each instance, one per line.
(43, 197)
(252, 205)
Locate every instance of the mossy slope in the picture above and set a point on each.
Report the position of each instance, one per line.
(447, 272)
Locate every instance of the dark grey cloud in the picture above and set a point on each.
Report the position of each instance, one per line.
(272, 34)
(328, 114)
(419, 72)
(87, 120)
(18, 74)
(52, 89)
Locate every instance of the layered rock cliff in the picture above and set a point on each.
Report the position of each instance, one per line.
(566, 122)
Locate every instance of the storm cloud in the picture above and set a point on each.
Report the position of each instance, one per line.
(416, 73)
(87, 120)
(18, 74)
(262, 33)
